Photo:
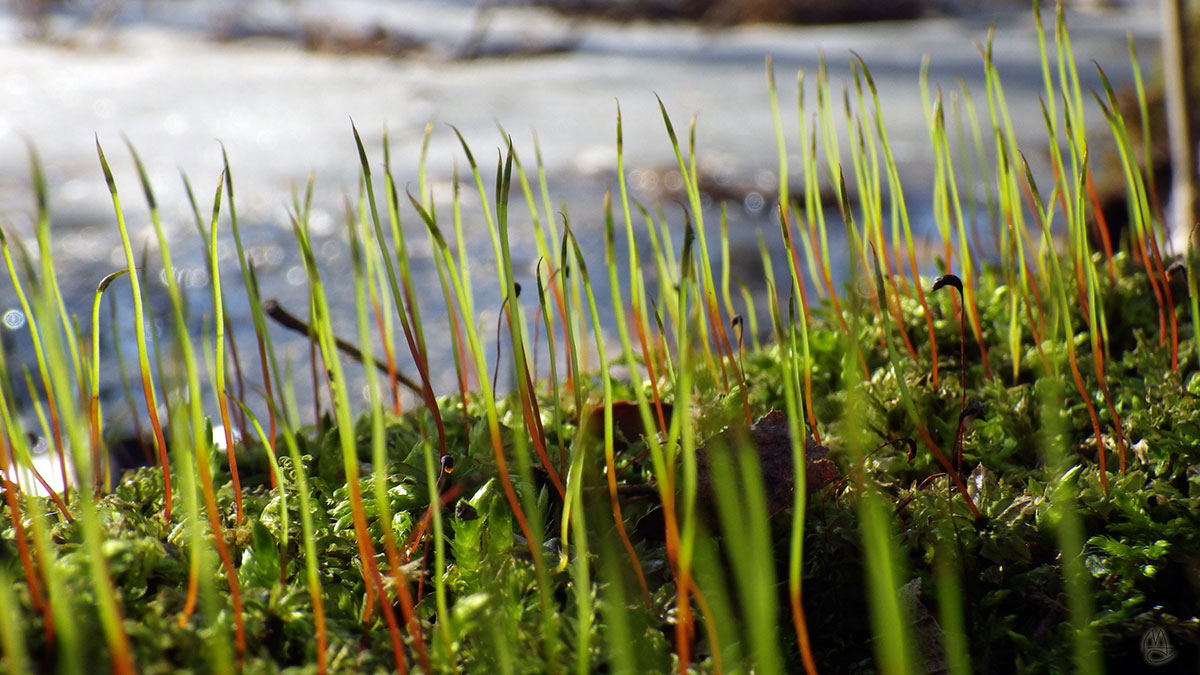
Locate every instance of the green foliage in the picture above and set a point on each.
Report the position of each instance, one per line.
(626, 523)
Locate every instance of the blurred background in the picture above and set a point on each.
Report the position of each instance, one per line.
(278, 83)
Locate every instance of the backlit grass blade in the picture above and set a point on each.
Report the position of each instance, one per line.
(609, 459)
(1147, 135)
(654, 345)
(12, 634)
(544, 248)
(94, 419)
(1008, 176)
(160, 443)
(814, 209)
(882, 565)
(381, 304)
(907, 399)
(410, 322)
(941, 209)
(378, 451)
(39, 351)
(458, 279)
(46, 257)
(1097, 324)
(661, 468)
(865, 155)
(516, 322)
(1145, 239)
(106, 597)
(250, 283)
(1064, 313)
(704, 280)
(896, 192)
(46, 596)
(795, 399)
(682, 444)
(638, 302)
(491, 414)
(966, 257)
(308, 539)
(462, 362)
(561, 298)
(483, 201)
(1069, 527)
(322, 325)
(219, 363)
(742, 509)
(174, 294)
(785, 335)
(62, 633)
(193, 445)
(798, 286)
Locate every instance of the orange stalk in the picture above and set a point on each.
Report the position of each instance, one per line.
(710, 625)
(237, 373)
(159, 442)
(372, 578)
(214, 523)
(801, 624)
(421, 360)
(791, 247)
(402, 592)
(787, 229)
(683, 626)
(610, 464)
(1166, 287)
(533, 424)
(1101, 226)
(954, 475)
(933, 355)
(388, 356)
(223, 404)
(717, 329)
(826, 276)
(1140, 246)
(646, 358)
(316, 382)
(532, 416)
(1091, 413)
(262, 361)
(56, 432)
(31, 578)
(897, 313)
(977, 328)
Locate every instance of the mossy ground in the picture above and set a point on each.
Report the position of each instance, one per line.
(1142, 534)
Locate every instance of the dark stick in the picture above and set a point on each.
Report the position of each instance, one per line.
(292, 322)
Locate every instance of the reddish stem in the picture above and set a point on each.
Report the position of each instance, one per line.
(31, 578)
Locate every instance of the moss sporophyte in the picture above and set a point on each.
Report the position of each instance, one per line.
(678, 479)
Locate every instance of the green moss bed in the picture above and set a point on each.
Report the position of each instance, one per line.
(1140, 534)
